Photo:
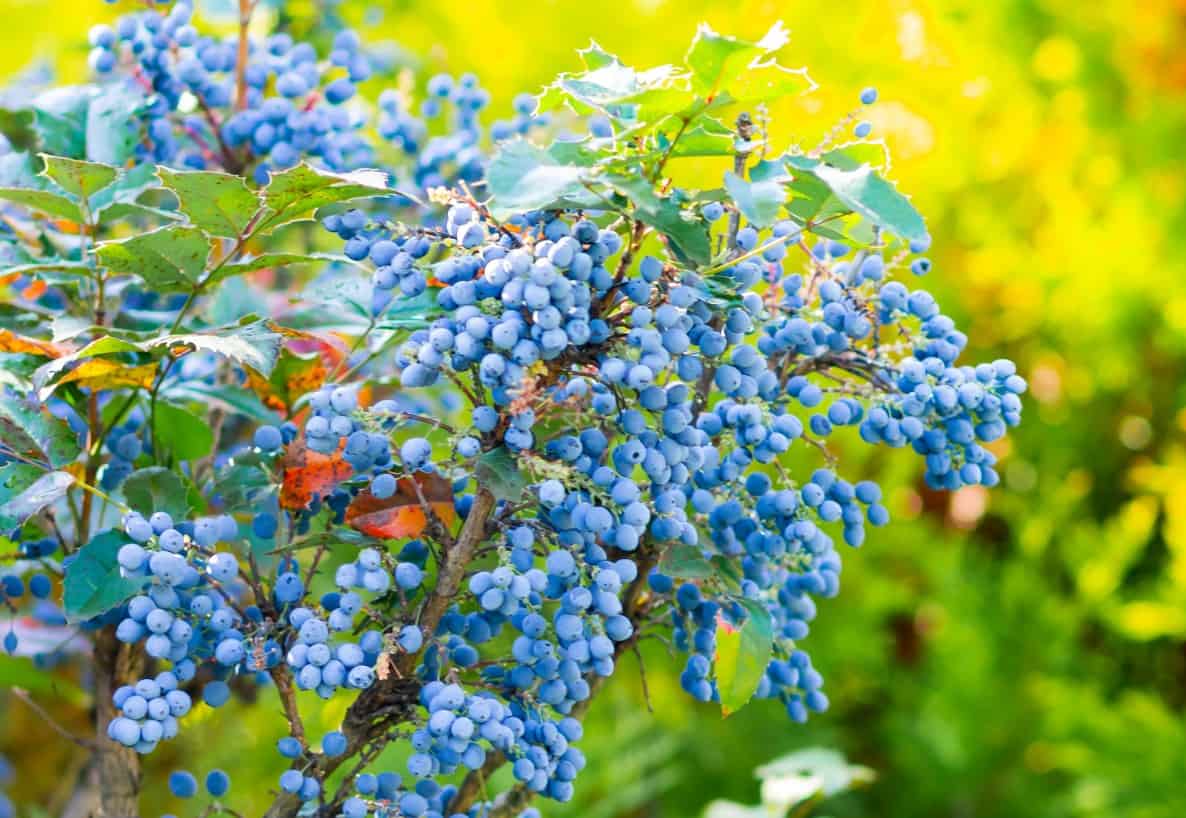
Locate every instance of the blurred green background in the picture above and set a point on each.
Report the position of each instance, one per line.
(1019, 653)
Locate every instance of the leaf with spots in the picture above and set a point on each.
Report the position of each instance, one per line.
(308, 473)
(403, 513)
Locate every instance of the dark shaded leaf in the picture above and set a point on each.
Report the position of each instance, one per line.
(93, 584)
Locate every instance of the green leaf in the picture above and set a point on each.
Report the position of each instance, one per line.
(607, 86)
(218, 203)
(120, 199)
(229, 398)
(685, 562)
(266, 260)
(93, 584)
(112, 124)
(181, 432)
(498, 472)
(157, 489)
(72, 268)
(60, 117)
(252, 344)
(716, 59)
(240, 485)
(297, 193)
(688, 238)
(105, 345)
(868, 195)
(79, 178)
(16, 125)
(171, 259)
(18, 506)
(759, 202)
(44, 201)
(742, 655)
(523, 176)
(707, 138)
(29, 429)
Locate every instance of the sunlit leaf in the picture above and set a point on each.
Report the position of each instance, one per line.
(218, 203)
(743, 652)
(77, 177)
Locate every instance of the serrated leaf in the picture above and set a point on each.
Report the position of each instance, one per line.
(44, 201)
(103, 373)
(239, 485)
(254, 344)
(759, 202)
(742, 655)
(171, 259)
(120, 198)
(523, 176)
(717, 59)
(868, 195)
(12, 342)
(157, 489)
(77, 177)
(16, 507)
(184, 434)
(93, 584)
(218, 203)
(707, 138)
(498, 472)
(29, 429)
(685, 562)
(73, 268)
(297, 193)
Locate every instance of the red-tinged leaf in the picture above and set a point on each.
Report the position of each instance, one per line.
(11, 342)
(305, 362)
(308, 473)
(742, 655)
(402, 514)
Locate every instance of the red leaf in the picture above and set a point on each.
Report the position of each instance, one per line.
(308, 473)
(402, 514)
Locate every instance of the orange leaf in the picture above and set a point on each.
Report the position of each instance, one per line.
(35, 290)
(11, 342)
(308, 473)
(402, 514)
(103, 373)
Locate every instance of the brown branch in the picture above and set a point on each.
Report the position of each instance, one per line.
(23, 695)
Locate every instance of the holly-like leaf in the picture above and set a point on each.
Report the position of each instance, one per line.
(218, 203)
(171, 259)
(16, 125)
(77, 177)
(30, 430)
(717, 59)
(867, 194)
(403, 514)
(294, 375)
(742, 655)
(93, 583)
(25, 490)
(181, 432)
(308, 473)
(685, 562)
(157, 489)
(240, 485)
(297, 193)
(523, 176)
(759, 202)
(498, 472)
(254, 344)
(43, 201)
(103, 374)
